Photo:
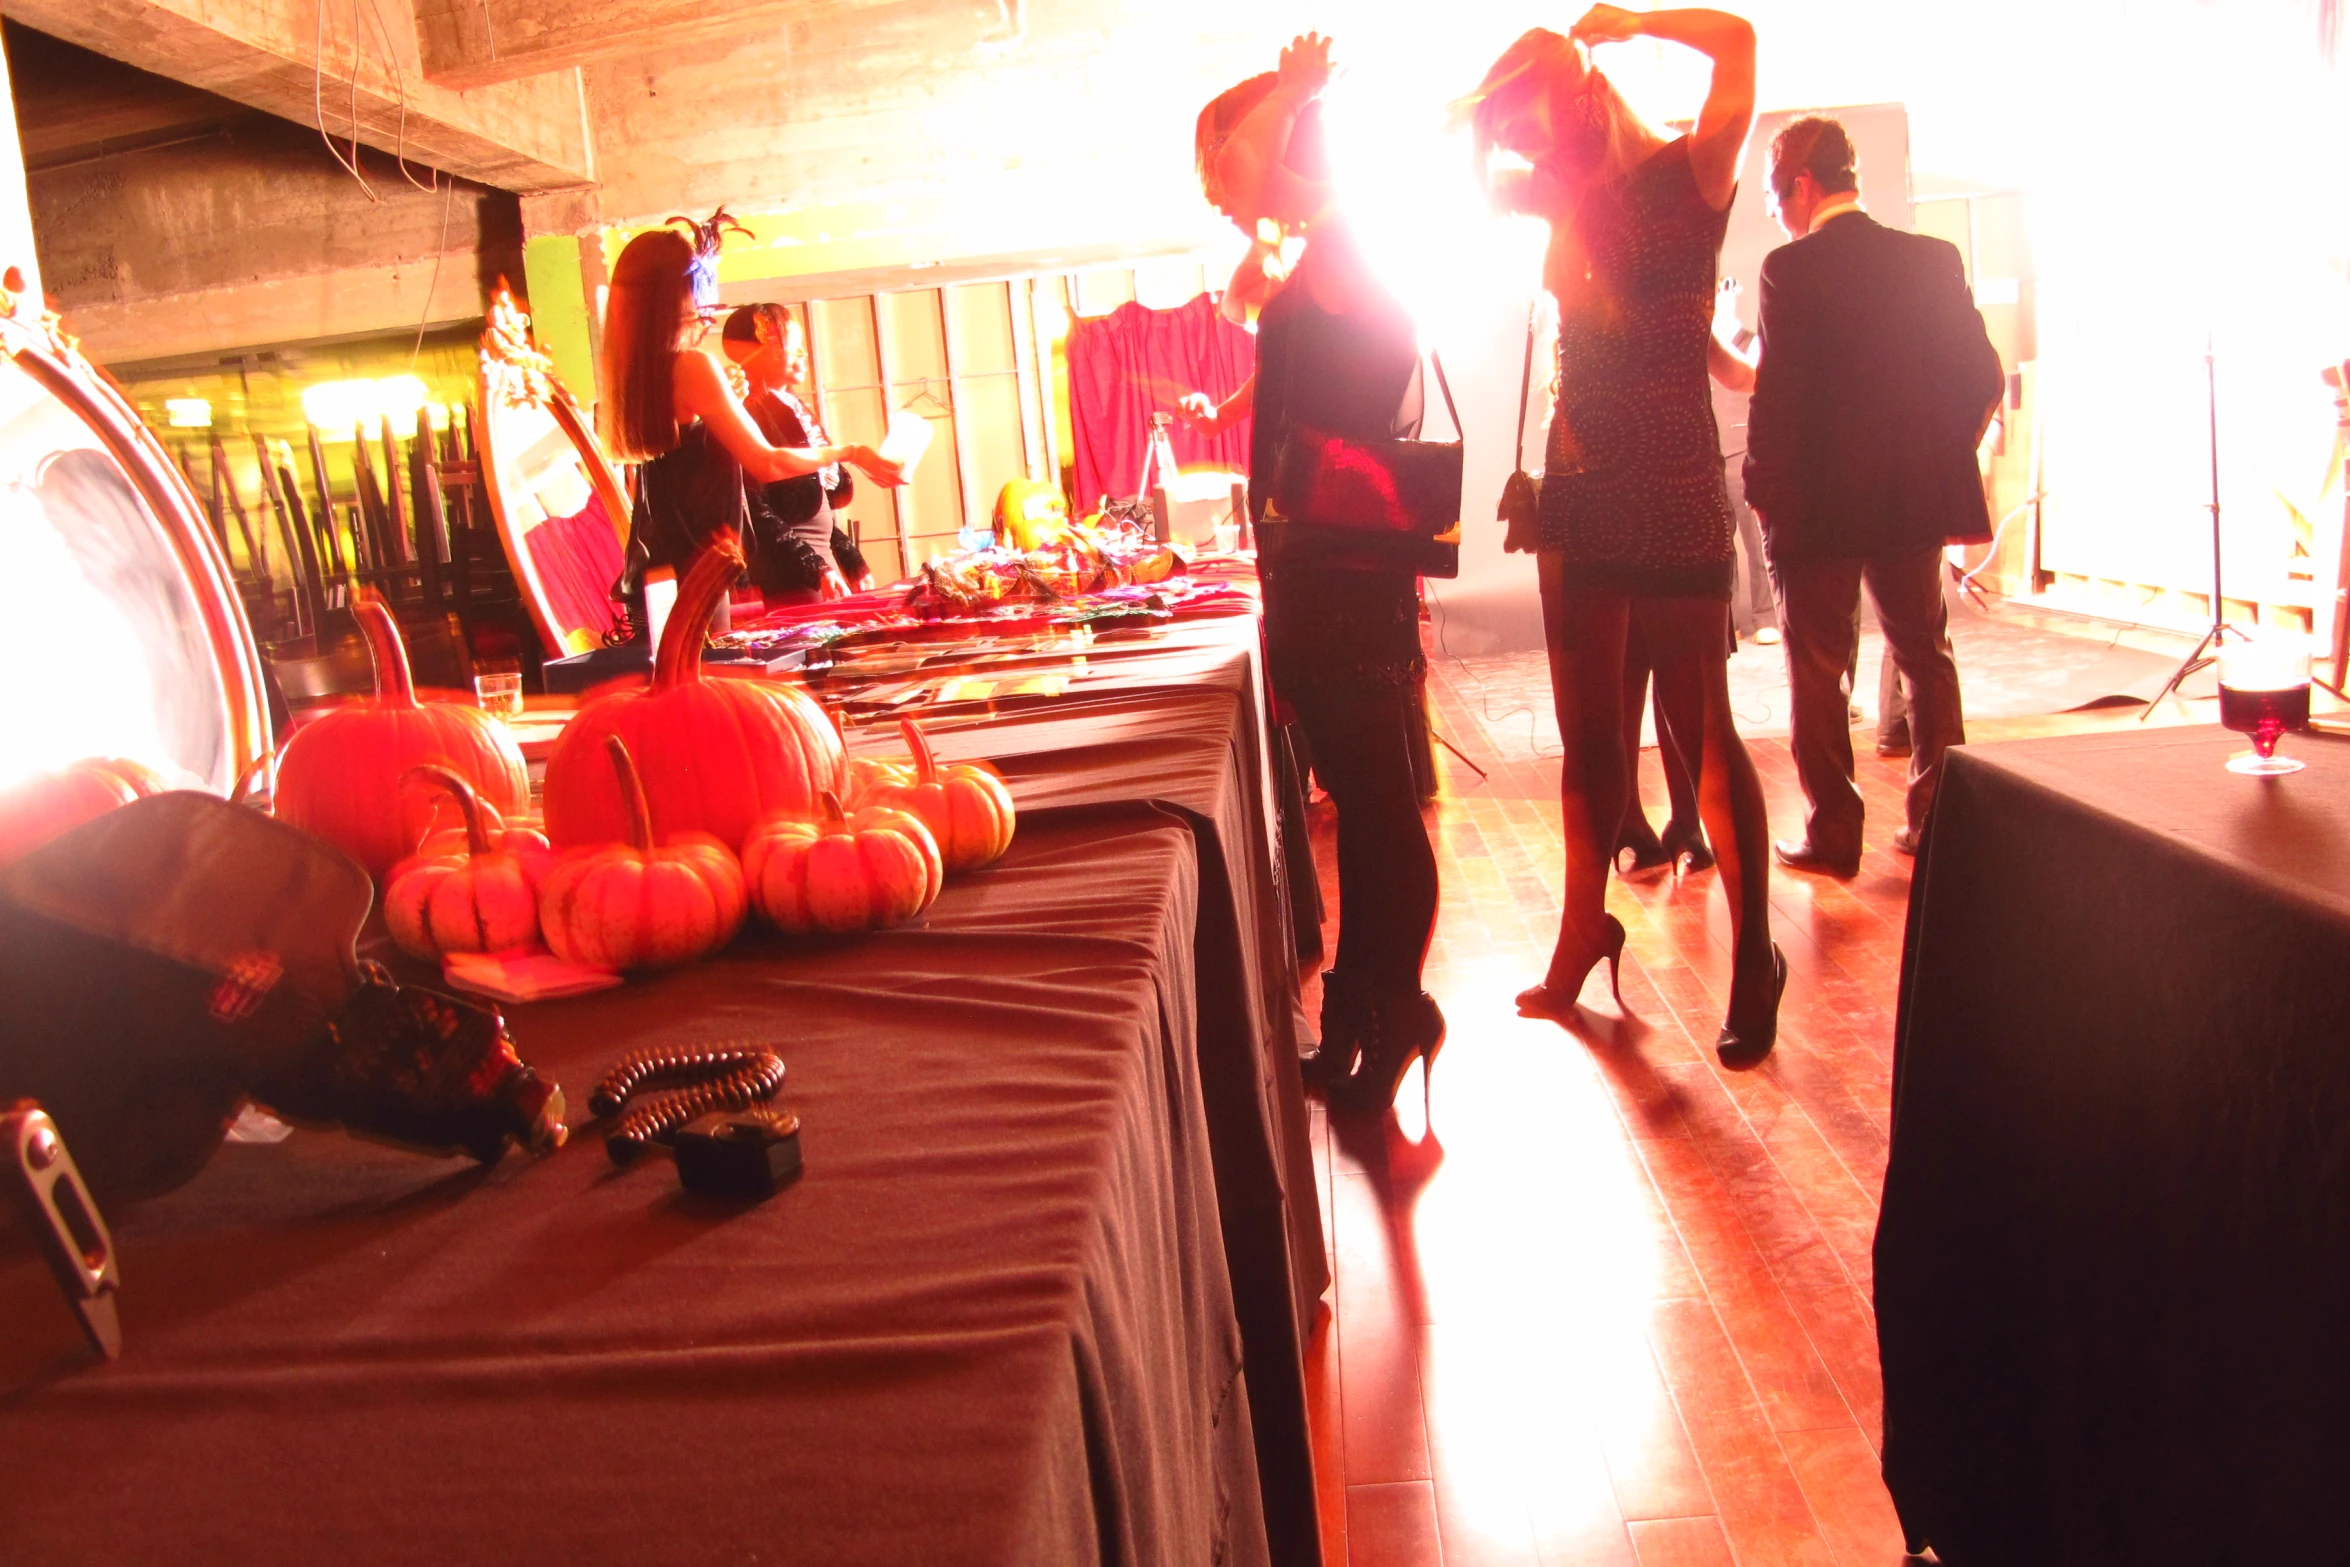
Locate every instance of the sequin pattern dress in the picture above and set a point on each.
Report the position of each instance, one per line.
(1633, 493)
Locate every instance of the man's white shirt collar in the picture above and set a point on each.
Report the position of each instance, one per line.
(1834, 207)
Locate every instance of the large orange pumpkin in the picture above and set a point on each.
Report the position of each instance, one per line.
(342, 774)
(716, 756)
(842, 873)
(630, 905)
(483, 898)
(52, 804)
(967, 809)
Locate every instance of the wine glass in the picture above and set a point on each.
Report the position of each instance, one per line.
(2264, 691)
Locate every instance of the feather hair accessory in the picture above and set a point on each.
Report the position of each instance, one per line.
(702, 271)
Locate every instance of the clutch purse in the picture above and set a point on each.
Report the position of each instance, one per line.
(1393, 504)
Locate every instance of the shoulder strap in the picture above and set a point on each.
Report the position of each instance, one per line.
(1445, 387)
(1525, 385)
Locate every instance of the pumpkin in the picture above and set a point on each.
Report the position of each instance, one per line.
(343, 774)
(483, 898)
(53, 804)
(842, 873)
(630, 905)
(716, 756)
(448, 835)
(967, 809)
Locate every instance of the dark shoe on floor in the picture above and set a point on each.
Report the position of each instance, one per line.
(1641, 857)
(1400, 1028)
(1690, 852)
(1893, 745)
(1797, 854)
(1906, 840)
(1743, 1044)
(1345, 1009)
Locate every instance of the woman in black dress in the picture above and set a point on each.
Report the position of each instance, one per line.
(669, 407)
(1636, 520)
(1336, 353)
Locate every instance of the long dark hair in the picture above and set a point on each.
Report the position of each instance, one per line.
(645, 313)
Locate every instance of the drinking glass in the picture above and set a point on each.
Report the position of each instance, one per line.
(2264, 691)
(498, 686)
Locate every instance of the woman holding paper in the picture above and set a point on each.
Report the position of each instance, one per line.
(669, 407)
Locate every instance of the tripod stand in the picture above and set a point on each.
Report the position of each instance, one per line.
(2207, 651)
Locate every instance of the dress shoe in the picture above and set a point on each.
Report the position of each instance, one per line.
(1895, 745)
(1797, 854)
(1906, 840)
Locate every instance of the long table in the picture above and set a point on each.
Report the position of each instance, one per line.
(1038, 1297)
(2113, 1261)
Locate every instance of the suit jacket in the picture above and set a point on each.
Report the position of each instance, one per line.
(1875, 377)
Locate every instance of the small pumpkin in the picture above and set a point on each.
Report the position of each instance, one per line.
(483, 898)
(842, 873)
(53, 804)
(449, 836)
(631, 905)
(343, 774)
(716, 756)
(967, 809)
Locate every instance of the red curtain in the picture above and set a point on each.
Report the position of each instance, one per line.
(1134, 362)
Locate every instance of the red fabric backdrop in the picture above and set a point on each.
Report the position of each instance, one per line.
(1134, 362)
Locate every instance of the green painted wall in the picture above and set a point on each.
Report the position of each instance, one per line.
(559, 310)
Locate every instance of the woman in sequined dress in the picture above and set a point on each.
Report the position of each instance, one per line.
(1636, 523)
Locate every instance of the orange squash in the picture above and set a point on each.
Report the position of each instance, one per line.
(630, 905)
(342, 775)
(483, 898)
(967, 809)
(842, 873)
(52, 804)
(716, 756)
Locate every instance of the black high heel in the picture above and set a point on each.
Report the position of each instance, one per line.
(1556, 1001)
(1688, 848)
(1403, 1029)
(1344, 1019)
(1638, 856)
(1745, 1047)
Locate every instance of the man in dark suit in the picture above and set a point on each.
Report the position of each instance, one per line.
(1876, 382)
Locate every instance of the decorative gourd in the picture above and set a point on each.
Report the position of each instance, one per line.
(630, 905)
(842, 873)
(483, 898)
(342, 774)
(967, 809)
(716, 756)
(53, 804)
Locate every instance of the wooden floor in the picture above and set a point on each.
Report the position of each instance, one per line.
(1612, 1305)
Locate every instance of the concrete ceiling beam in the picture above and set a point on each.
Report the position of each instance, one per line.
(472, 43)
(308, 63)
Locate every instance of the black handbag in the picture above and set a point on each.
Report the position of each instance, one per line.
(1393, 504)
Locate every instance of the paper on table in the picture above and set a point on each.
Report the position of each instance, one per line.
(908, 439)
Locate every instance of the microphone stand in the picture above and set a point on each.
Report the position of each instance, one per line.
(2206, 652)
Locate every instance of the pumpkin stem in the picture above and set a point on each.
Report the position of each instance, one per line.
(925, 763)
(834, 816)
(678, 660)
(477, 837)
(394, 686)
(632, 794)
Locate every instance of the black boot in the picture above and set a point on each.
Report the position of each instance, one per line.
(1401, 1027)
(1344, 1014)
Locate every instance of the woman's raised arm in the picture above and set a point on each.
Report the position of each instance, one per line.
(1718, 144)
(1250, 166)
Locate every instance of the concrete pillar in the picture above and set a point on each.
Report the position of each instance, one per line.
(16, 209)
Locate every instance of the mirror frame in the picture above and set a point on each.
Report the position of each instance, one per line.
(36, 339)
(517, 373)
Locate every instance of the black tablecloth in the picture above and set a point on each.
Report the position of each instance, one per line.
(993, 1322)
(2113, 1262)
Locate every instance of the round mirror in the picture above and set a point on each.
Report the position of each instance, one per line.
(561, 511)
(120, 634)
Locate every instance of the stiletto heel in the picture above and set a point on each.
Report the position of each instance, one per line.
(1742, 1047)
(1343, 1008)
(1403, 1029)
(1555, 998)
(1689, 850)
